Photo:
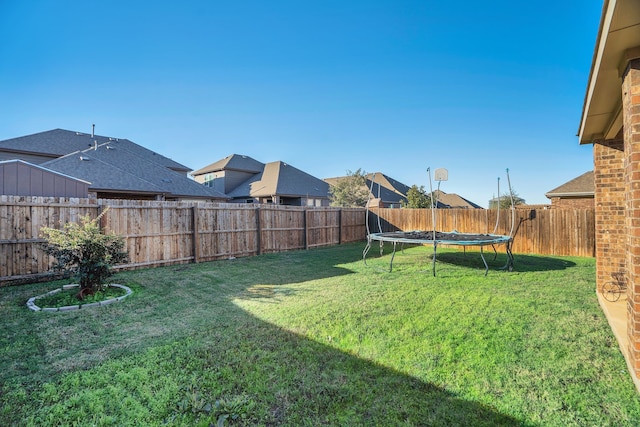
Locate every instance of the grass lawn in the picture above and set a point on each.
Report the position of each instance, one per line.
(317, 338)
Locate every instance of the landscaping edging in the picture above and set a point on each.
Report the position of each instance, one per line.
(32, 305)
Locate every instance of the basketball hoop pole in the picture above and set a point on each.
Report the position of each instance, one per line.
(433, 222)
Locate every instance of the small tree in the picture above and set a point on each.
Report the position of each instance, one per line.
(350, 191)
(84, 251)
(504, 201)
(417, 198)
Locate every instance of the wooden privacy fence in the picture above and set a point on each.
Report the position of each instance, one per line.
(540, 231)
(164, 233)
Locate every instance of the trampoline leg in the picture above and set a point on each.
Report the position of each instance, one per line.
(486, 267)
(366, 251)
(433, 262)
(509, 265)
(393, 254)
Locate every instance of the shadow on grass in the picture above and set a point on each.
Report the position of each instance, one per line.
(187, 318)
(496, 260)
(522, 263)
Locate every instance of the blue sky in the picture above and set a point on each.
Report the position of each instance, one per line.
(326, 86)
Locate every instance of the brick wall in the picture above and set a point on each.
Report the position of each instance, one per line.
(610, 209)
(572, 203)
(631, 129)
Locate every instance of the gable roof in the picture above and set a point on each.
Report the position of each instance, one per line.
(454, 201)
(281, 179)
(236, 162)
(396, 191)
(119, 166)
(582, 186)
(59, 142)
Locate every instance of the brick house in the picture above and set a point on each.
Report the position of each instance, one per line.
(610, 122)
(577, 193)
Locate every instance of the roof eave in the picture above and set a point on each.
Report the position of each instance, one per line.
(574, 194)
(616, 43)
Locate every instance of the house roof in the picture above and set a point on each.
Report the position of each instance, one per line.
(454, 201)
(393, 186)
(387, 189)
(236, 162)
(618, 41)
(281, 179)
(583, 185)
(59, 142)
(119, 166)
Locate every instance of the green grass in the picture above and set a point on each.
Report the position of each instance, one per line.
(317, 338)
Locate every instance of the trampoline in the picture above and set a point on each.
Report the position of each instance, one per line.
(437, 238)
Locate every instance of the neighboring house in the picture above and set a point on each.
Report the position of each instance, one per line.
(386, 192)
(392, 193)
(115, 168)
(389, 193)
(246, 180)
(453, 201)
(44, 146)
(577, 193)
(609, 124)
(228, 173)
(20, 178)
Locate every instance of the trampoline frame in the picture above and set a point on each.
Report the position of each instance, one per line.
(481, 241)
(452, 238)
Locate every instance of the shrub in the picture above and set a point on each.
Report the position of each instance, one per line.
(84, 251)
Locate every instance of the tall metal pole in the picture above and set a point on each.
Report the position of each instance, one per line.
(433, 221)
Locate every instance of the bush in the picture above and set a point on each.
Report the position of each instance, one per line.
(84, 251)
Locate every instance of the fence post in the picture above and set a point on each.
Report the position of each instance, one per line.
(306, 229)
(258, 231)
(102, 221)
(196, 234)
(339, 226)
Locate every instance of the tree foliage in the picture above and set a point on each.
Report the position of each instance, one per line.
(84, 251)
(350, 191)
(417, 198)
(504, 201)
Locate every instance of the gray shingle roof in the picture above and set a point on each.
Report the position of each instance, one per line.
(388, 183)
(59, 142)
(119, 166)
(583, 185)
(281, 179)
(236, 162)
(454, 201)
